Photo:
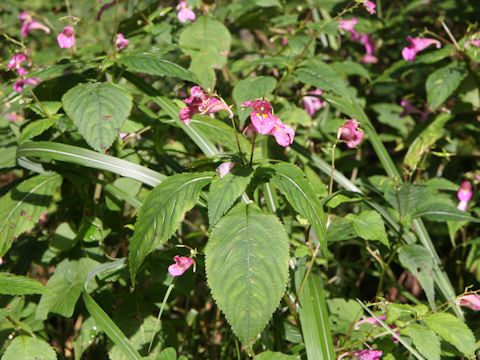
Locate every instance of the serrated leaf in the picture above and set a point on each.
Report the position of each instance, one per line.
(153, 65)
(98, 110)
(162, 212)
(29, 348)
(19, 285)
(247, 268)
(250, 89)
(35, 128)
(22, 206)
(453, 331)
(416, 259)
(64, 288)
(291, 182)
(425, 340)
(369, 225)
(443, 82)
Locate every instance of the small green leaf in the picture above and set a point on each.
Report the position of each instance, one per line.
(225, 191)
(443, 82)
(162, 212)
(98, 110)
(35, 128)
(425, 340)
(453, 331)
(321, 75)
(29, 348)
(19, 285)
(369, 226)
(247, 268)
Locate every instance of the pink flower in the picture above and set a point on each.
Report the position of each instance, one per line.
(182, 263)
(464, 194)
(225, 168)
(261, 116)
(369, 57)
(201, 103)
(20, 84)
(14, 117)
(66, 39)
(184, 12)
(350, 134)
(28, 24)
(416, 45)
(312, 104)
(283, 134)
(370, 320)
(367, 354)
(121, 41)
(475, 43)
(16, 61)
(369, 6)
(348, 25)
(471, 301)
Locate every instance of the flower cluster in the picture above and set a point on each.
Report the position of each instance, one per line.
(464, 195)
(350, 134)
(348, 25)
(312, 104)
(16, 64)
(265, 123)
(184, 12)
(415, 45)
(29, 24)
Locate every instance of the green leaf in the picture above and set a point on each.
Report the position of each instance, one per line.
(417, 260)
(162, 212)
(343, 313)
(425, 340)
(247, 268)
(19, 285)
(8, 160)
(98, 110)
(35, 128)
(291, 182)
(207, 42)
(270, 355)
(369, 226)
(251, 89)
(321, 75)
(425, 140)
(64, 288)
(453, 331)
(443, 82)
(225, 191)
(151, 64)
(22, 206)
(29, 348)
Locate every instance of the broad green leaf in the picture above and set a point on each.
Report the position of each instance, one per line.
(343, 313)
(251, 89)
(270, 355)
(19, 285)
(151, 64)
(291, 182)
(321, 75)
(8, 160)
(247, 268)
(417, 260)
(35, 128)
(86, 338)
(443, 82)
(453, 331)
(425, 340)
(64, 288)
(29, 348)
(22, 206)
(425, 140)
(369, 226)
(225, 191)
(162, 212)
(98, 110)
(207, 42)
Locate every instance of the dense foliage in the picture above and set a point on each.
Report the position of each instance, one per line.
(233, 179)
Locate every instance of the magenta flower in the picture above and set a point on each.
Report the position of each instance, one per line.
(367, 354)
(19, 85)
(312, 104)
(16, 61)
(182, 263)
(66, 39)
(184, 12)
(121, 41)
(464, 194)
(225, 168)
(283, 134)
(471, 301)
(370, 320)
(475, 42)
(416, 45)
(261, 116)
(14, 117)
(369, 6)
(28, 24)
(369, 57)
(350, 134)
(348, 25)
(201, 103)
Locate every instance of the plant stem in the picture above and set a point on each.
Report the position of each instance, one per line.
(235, 133)
(165, 298)
(253, 148)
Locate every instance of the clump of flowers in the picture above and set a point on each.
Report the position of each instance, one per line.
(121, 42)
(367, 354)
(66, 39)
(415, 45)
(19, 85)
(182, 264)
(201, 103)
(464, 195)
(348, 25)
(312, 104)
(29, 24)
(184, 12)
(369, 6)
(265, 123)
(16, 61)
(350, 134)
